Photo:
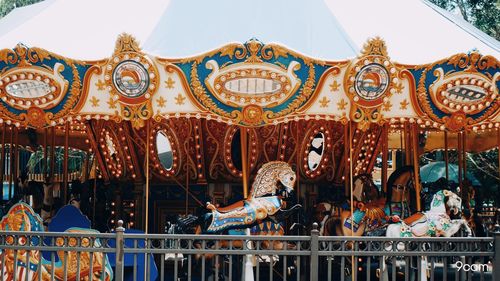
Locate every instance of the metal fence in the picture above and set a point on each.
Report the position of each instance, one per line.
(73, 256)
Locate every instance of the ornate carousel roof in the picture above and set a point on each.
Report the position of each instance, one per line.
(292, 105)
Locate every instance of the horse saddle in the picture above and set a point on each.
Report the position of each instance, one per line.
(417, 223)
(225, 209)
(415, 219)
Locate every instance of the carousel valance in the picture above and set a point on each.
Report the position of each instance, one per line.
(250, 84)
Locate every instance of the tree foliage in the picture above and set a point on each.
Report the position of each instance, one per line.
(8, 5)
(484, 14)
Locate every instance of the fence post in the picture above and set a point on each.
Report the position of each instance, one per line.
(314, 253)
(119, 251)
(496, 258)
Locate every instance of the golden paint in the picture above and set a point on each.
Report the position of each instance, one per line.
(252, 114)
(94, 101)
(341, 104)
(324, 102)
(112, 103)
(334, 86)
(101, 86)
(404, 104)
(169, 83)
(161, 102)
(179, 99)
(398, 88)
(386, 106)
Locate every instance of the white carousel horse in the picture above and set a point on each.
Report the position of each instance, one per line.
(434, 223)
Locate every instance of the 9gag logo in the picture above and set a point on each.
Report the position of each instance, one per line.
(475, 267)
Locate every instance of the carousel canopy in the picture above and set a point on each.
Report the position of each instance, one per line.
(293, 105)
(334, 30)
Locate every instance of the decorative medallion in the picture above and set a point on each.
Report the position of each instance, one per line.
(369, 82)
(252, 114)
(132, 79)
(36, 117)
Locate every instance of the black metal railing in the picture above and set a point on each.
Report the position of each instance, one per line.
(122, 256)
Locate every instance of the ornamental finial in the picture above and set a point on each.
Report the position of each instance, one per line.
(126, 43)
(375, 47)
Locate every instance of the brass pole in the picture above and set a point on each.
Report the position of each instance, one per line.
(147, 177)
(346, 158)
(11, 163)
(459, 159)
(16, 159)
(244, 160)
(416, 168)
(2, 165)
(65, 162)
(353, 270)
(297, 159)
(52, 155)
(187, 178)
(385, 151)
(45, 156)
(94, 190)
(407, 138)
(464, 150)
(403, 161)
(446, 160)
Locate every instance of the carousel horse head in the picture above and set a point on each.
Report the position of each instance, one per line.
(273, 178)
(272, 186)
(364, 189)
(446, 201)
(400, 185)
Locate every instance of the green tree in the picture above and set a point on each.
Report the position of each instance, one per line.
(484, 14)
(8, 5)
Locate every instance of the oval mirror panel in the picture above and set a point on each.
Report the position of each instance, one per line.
(316, 150)
(164, 150)
(28, 89)
(253, 86)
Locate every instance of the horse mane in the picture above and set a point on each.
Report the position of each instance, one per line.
(394, 176)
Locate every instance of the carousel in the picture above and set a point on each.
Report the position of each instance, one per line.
(241, 137)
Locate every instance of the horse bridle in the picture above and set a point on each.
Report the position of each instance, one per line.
(403, 199)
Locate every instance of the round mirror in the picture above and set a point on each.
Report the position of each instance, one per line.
(164, 150)
(316, 150)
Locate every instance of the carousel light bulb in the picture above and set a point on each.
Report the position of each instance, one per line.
(133, 176)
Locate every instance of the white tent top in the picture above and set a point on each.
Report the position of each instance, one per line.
(415, 31)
